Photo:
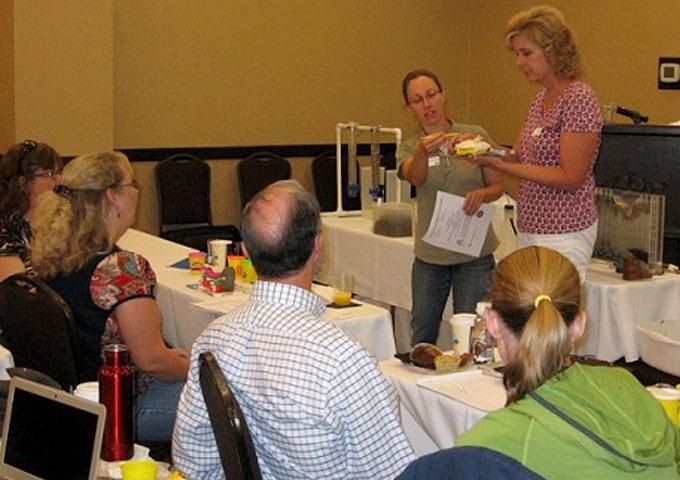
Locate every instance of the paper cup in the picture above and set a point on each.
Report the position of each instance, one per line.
(196, 262)
(669, 398)
(461, 323)
(343, 285)
(218, 250)
(144, 469)
(88, 390)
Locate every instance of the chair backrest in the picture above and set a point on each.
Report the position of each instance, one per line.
(234, 443)
(183, 185)
(324, 177)
(258, 171)
(475, 463)
(38, 327)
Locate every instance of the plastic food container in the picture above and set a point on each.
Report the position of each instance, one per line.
(660, 345)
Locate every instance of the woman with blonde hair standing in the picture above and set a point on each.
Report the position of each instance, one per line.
(555, 153)
(109, 290)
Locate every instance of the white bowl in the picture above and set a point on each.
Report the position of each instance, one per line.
(660, 345)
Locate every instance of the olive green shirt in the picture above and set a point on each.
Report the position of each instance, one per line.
(451, 175)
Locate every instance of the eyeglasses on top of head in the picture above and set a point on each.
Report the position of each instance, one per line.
(26, 147)
(418, 99)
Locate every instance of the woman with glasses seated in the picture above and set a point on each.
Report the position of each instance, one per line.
(110, 291)
(424, 161)
(27, 170)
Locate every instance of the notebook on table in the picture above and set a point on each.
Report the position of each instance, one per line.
(50, 434)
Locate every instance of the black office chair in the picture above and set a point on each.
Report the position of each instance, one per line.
(258, 171)
(183, 185)
(38, 327)
(476, 463)
(234, 443)
(324, 177)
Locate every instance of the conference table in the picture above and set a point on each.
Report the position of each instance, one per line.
(187, 310)
(436, 409)
(382, 269)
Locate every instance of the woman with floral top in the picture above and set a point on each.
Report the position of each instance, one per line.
(555, 154)
(110, 291)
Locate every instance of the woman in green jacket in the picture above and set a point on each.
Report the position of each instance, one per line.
(565, 419)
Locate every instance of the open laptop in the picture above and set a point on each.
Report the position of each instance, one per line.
(50, 434)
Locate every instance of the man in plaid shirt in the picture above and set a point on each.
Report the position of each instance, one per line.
(315, 401)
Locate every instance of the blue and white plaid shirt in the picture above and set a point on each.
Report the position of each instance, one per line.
(315, 401)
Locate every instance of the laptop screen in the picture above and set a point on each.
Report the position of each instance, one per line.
(50, 434)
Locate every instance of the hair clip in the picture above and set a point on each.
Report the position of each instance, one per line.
(63, 191)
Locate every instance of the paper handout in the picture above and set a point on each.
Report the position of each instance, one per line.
(450, 228)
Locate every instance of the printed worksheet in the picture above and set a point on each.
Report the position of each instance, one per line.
(451, 229)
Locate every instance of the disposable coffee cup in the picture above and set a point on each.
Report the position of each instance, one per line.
(88, 391)
(343, 284)
(143, 469)
(218, 250)
(461, 324)
(669, 398)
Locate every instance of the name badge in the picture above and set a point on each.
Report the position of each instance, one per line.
(433, 161)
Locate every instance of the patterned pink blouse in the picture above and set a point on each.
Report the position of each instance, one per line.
(549, 210)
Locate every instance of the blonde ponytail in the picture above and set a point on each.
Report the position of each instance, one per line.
(541, 351)
(537, 293)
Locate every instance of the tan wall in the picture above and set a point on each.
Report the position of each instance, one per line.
(6, 75)
(262, 72)
(620, 42)
(64, 74)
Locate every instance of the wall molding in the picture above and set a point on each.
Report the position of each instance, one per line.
(236, 153)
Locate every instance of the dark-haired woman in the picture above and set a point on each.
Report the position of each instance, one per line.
(565, 419)
(26, 171)
(424, 161)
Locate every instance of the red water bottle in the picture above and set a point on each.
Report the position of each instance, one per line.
(116, 392)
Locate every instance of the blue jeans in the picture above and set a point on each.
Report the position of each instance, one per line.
(155, 411)
(430, 286)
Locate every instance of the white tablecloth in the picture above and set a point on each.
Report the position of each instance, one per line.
(186, 312)
(382, 267)
(615, 308)
(432, 421)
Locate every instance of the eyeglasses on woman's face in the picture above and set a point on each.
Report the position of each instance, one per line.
(417, 100)
(132, 183)
(46, 173)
